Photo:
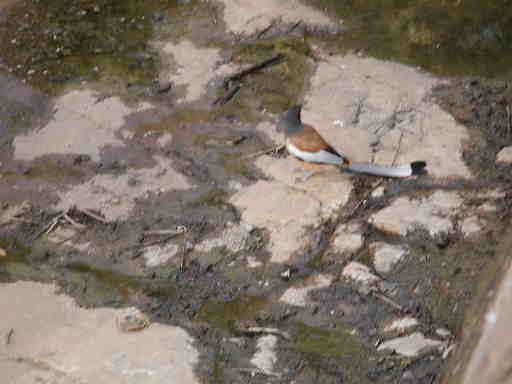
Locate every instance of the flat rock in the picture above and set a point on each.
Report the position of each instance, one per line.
(55, 341)
(262, 205)
(298, 294)
(411, 345)
(326, 184)
(266, 356)
(81, 125)
(470, 225)
(348, 238)
(194, 67)
(400, 325)
(361, 105)
(247, 17)
(234, 238)
(160, 254)
(385, 256)
(114, 195)
(360, 274)
(433, 213)
(505, 155)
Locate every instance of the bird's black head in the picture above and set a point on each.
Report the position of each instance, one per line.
(290, 122)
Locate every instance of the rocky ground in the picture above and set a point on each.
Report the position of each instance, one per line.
(152, 231)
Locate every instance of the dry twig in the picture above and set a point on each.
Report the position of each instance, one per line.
(254, 68)
(265, 151)
(92, 215)
(8, 336)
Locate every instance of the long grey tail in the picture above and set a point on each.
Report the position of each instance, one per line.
(405, 170)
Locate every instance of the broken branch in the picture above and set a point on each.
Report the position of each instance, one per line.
(265, 151)
(227, 98)
(254, 68)
(92, 215)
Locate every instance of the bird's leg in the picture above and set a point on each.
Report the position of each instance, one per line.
(313, 169)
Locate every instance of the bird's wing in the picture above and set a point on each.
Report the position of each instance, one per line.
(309, 140)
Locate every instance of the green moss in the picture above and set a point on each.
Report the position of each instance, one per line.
(265, 87)
(16, 252)
(336, 342)
(222, 314)
(51, 170)
(234, 163)
(215, 197)
(450, 37)
(15, 265)
(107, 282)
(54, 43)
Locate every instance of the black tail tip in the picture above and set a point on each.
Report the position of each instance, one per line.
(418, 167)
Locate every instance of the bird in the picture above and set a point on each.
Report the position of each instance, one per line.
(305, 143)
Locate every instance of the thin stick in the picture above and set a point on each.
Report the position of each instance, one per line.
(253, 371)
(264, 152)
(92, 215)
(265, 30)
(509, 120)
(294, 26)
(270, 331)
(227, 98)
(163, 232)
(51, 225)
(388, 301)
(254, 68)
(165, 239)
(9, 336)
(73, 222)
(398, 148)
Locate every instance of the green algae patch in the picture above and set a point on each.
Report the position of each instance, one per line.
(215, 197)
(265, 87)
(16, 266)
(448, 37)
(52, 170)
(55, 43)
(337, 343)
(223, 314)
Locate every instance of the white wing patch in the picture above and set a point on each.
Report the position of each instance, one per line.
(314, 157)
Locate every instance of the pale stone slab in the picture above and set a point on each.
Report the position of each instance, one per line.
(402, 324)
(196, 67)
(411, 345)
(470, 225)
(114, 195)
(81, 125)
(361, 104)
(55, 341)
(386, 256)
(434, 213)
(284, 211)
(359, 273)
(348, 238)
(234, 238)
(247, 16)
(505, 155)
(298, 295)
(157, 254)
(266, 356)
(329, 186)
